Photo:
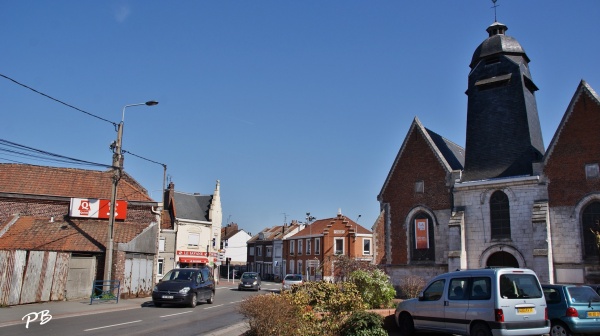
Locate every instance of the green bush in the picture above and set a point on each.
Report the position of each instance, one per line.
(374, 286)
(363, 323)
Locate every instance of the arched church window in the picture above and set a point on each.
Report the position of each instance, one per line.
(500, 215)
(590, 223)
(422, 238)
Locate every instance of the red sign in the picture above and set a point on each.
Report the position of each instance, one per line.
(96, 208)
(421, 233)
(193, 260)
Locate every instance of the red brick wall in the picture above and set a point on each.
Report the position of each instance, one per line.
(379, 239)
(577, 145)
(417, 162)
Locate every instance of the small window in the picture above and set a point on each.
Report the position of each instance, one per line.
(161, 245)
(592, 171)
(259, 251)
(308, 246)
(161, 267)
(292, 244)
(419, 187)
(269, 251)
(251, 251)
(300, 246)
(317, 245)
(367, 246)
(339, 246)
(193, 240)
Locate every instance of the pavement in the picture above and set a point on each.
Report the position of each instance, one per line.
(15, 315)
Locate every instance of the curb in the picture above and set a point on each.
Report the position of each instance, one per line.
(236, 329)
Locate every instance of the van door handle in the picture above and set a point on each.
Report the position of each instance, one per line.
(446, 303)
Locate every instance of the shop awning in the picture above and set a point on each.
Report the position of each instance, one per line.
(198, 260)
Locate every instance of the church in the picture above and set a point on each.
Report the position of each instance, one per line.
(504, 199)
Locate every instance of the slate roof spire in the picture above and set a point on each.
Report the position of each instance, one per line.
(504, 135)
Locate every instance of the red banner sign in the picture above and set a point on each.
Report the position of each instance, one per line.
(96, 208)
(421, 233)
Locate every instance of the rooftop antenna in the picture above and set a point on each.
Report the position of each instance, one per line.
(494, 7)
(284, 217)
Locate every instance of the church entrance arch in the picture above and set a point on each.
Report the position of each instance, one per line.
(502, 259)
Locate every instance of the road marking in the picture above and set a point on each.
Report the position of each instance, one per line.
(211, 307)
(189, 311)
(113, 325)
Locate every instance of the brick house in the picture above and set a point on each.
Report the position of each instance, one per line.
(502, 200)
(36, 217)
(266, 250)
(311, 252)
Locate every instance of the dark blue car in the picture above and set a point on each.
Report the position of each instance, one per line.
(572, 309)
(186, 286)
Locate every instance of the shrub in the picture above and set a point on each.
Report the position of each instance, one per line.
(411, 286)
(344, 265)
(271, 314)
(374, 286)
(363, 323)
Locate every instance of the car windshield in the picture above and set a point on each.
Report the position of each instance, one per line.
(582, 294)
(184, 275)
(249, 276)
(293, 278)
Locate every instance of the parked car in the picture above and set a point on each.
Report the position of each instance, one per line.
(291, 279)
(573, 309)
(250, 280)
(185, 286)
(481, 302)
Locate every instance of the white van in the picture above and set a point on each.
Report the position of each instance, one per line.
(481, 302)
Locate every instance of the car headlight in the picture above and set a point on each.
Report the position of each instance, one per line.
(255, 283)
(184, 290)
(155, 289)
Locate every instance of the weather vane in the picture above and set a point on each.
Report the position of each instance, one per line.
(494, 7)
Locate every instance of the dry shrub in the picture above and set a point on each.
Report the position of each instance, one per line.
(271, 314)
(410, 286)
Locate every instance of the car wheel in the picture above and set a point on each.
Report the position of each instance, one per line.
(480, 329)
(406, 325)
(157, 305)
(559, 329)
(194, 300)
(211, 299)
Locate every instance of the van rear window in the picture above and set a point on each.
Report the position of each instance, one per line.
(518, 286)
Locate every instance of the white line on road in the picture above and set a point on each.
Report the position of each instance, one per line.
(211, 307)
(189, 311)
(113, 325)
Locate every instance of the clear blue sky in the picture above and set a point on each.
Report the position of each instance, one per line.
(295, 106)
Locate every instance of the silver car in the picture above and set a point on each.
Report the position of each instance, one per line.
(291, 279)
(482, 302)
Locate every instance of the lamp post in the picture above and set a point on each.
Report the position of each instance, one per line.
(117, 172)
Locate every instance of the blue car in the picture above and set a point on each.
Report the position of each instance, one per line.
(572, 309)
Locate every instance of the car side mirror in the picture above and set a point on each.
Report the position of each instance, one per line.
(421, 296)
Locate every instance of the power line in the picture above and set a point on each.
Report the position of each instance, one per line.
(57, 100)
(143, 158)
(14, 149)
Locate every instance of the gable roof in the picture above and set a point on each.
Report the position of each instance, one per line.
(73, 235)
(582, 88)
(450, 155)
(192, 206)
(67, 182)
(321, 226)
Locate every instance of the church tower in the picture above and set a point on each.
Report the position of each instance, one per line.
(504, 136)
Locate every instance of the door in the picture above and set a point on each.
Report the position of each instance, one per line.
(429, 310)
(456, 305)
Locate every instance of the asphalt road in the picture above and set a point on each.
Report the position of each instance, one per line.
(149, 320)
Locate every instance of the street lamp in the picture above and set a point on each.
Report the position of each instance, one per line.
(117, 171)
